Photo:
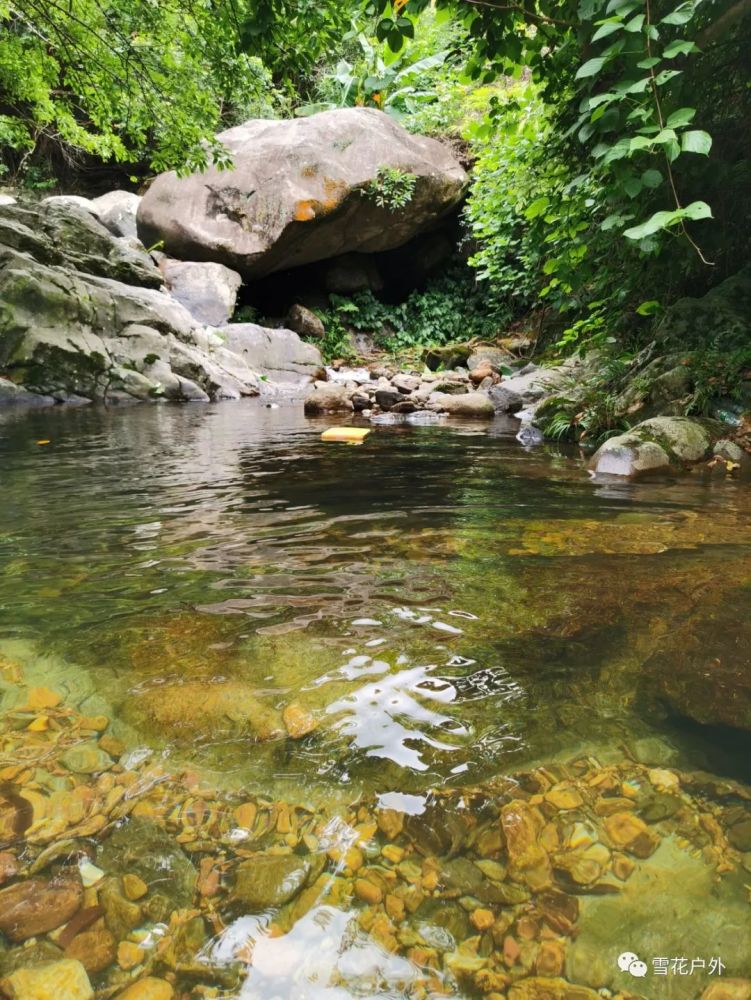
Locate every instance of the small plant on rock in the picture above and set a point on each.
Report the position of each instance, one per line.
(391, 188)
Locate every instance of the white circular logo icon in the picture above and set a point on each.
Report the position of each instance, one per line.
(630, 962)
(626, 959)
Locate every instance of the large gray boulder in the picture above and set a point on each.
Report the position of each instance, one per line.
(207, 290)
(301, 191)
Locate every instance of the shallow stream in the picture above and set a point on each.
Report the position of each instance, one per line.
(384, 664)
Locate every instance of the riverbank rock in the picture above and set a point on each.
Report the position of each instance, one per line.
(16, 395)
(117, 211)
(78, 323)
(63, 234)
(328, 398)
(277, 355)
(655, 444)
(64, 332)
(530, 385)
(472, 405)
(305, 322)
(208, 291)
(722, 314)
(301, 191)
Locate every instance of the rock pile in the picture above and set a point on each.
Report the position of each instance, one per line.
(387, 396)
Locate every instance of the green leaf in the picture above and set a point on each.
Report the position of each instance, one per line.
(632, 186)
(623, 7)
(657, 222)
(697, 210)
(680, 47)
(696, 142)
(665, 136)
(598, 99)
(636, 23)
(614, 221)
(665, 75)
(649, 308)
(607, 29)
(538, 207)
(681, 117)
(651, 179)
(638, 86)
(395, 40)
(681, 15)
(648, 63)
(618, 151)
(590, 68)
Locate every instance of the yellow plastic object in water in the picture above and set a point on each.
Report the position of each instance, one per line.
(347, 435)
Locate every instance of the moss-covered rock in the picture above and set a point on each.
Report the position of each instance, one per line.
(658, 443)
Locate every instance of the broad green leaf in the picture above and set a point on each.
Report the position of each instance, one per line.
(666, 74)
(639, 86)
(681, 117)
(632, 187)
(608, 28)
(651, 178)
(622, 7)
(614, 221)
(656, 223)
(680, 47)
(538, 207)
(598, 99)
(617, 152)
(664, 136)
(681, 15)
(636, 23)
(649, 308)
(696, 141)
(649, 63)
(697, 210)
(590, 68)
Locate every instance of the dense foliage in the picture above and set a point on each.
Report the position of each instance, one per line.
(145, 83)
(608, 139)
(453, 308)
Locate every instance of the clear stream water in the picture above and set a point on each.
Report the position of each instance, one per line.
(445, 605)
